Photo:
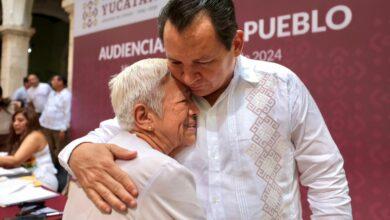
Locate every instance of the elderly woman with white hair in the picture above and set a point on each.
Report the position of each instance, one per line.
(157, 116)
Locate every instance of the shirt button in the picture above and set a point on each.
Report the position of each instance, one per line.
(215, 200)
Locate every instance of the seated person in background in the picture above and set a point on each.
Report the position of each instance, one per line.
(157, 116)
(28, 147)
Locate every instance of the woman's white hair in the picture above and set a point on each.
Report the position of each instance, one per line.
(139, 83)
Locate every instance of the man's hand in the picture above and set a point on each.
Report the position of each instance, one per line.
(105, 184)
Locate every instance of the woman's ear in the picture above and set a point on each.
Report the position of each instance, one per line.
(143, 117)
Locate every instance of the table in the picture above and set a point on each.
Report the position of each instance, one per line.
(55, 203)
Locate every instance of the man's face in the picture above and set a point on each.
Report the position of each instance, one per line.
(33, 80)
(55, 82)
(26, 84)
(197, 58)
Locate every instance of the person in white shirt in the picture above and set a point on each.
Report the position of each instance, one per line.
(157, 116)
(37, 93)
(55, 118)
(27, 147)
(20, 94)
(260, 134)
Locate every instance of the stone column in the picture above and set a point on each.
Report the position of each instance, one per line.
(16, 34)
(68, 6)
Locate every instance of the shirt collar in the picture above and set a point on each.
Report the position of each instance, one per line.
(246, 69)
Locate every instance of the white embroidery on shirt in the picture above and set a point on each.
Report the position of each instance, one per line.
(266, 149)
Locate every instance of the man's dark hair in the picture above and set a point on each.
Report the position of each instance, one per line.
(25, 80)
(63, 79)
(181, 13)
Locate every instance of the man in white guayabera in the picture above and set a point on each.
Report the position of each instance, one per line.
(260, 134)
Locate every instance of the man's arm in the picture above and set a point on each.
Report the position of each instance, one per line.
(107, 130)
(318, 158)
(67, 114)
(92, 163)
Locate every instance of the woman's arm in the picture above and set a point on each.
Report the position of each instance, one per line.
(31, 144)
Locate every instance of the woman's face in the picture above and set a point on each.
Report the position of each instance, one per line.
(20, 123)
(177, 127)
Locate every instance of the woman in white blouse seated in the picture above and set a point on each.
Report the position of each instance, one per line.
(28, 148)
(157, 116)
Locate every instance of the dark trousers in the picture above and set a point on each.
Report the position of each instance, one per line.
(55, 143)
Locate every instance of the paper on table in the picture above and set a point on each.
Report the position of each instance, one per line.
(11, 185)
(14, 191)
(14, 171)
